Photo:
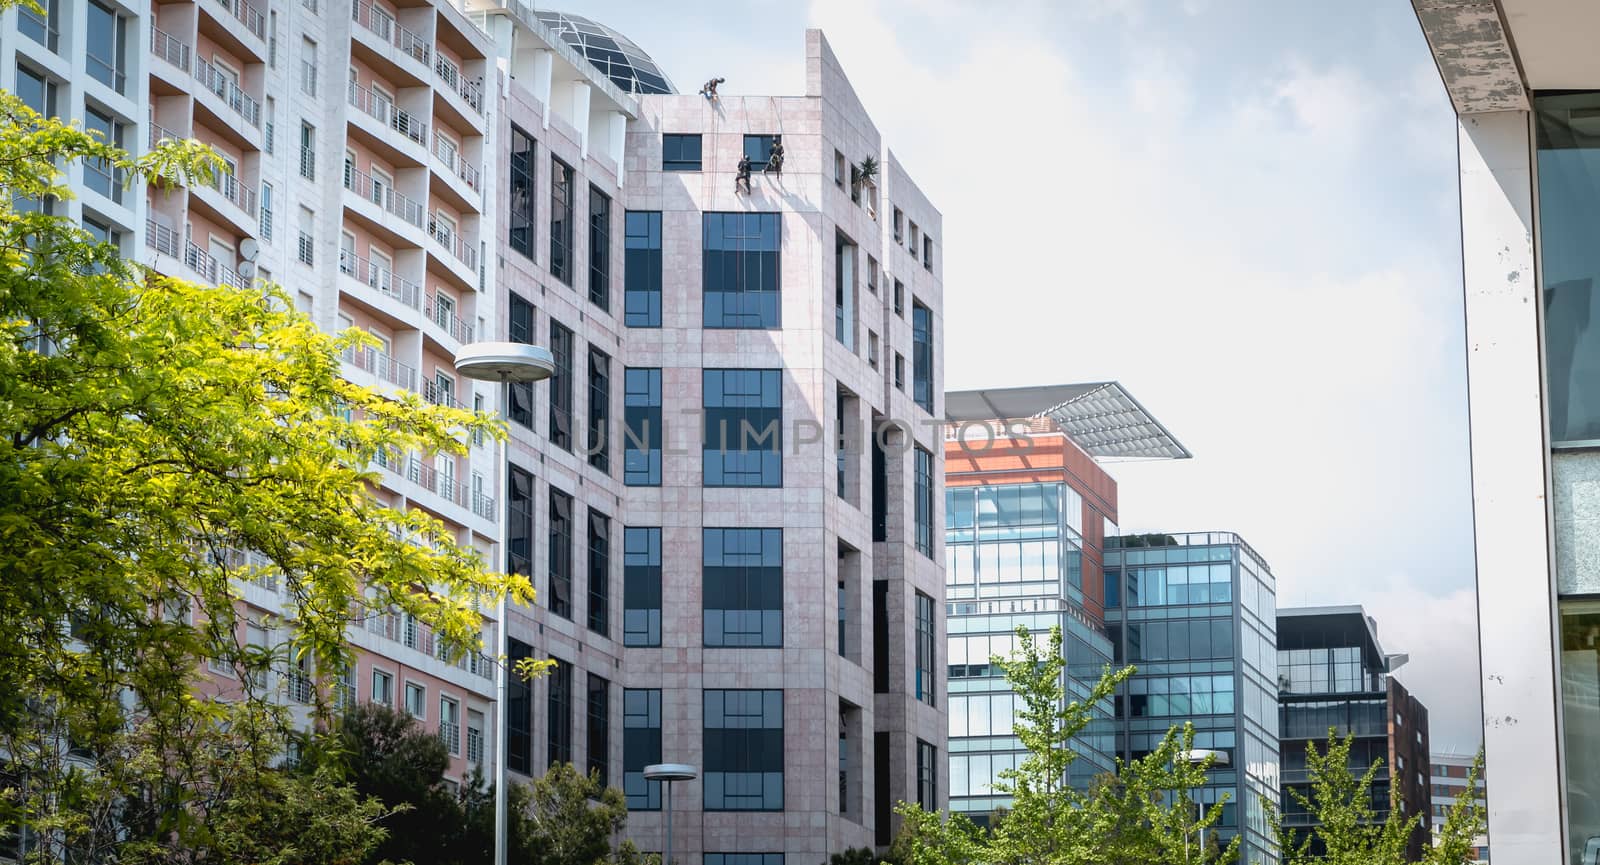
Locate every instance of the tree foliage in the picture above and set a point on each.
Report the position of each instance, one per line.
(1349, 830)
(1139, 813)
(161, 442)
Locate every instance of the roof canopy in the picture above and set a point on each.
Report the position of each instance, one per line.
(1102, 417)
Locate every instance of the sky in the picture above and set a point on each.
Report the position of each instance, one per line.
(1243, 210)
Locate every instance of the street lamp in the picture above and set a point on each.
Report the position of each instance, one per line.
(670, 773)
(1200, 757)
(504, 362)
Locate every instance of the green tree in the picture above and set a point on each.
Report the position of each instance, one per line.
(161, 441)
(1139, 814)
(572, 819)
(1348, 829)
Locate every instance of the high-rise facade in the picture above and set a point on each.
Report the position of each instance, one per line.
(1333, 675)
(726, 496)
(1196, 614)
(1448, 777)
(1526, 89)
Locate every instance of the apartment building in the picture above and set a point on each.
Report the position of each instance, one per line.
(1448, 776)
(726, 494)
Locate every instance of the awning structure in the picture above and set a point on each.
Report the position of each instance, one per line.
(1102, 417)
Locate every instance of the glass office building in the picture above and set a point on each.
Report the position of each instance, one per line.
(1196, 614)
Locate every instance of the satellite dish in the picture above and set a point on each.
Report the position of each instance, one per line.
(247, 269)
(249, 248)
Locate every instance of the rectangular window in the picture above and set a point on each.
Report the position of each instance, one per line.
(743, 446)
(844, 291)
(520, 410)
(519, 522)
(680, 153)
(106, 47)
(641, 586)
(519, 712)
(641, 272)
(599, 446)
(599, 248)
(35, 90)
(561, 220)
(641, 747)
(924, 501)
(559, 706)
(742, 571)
(872, 349)
(899, 371)
(899, 225)
(560, 561)
(743, 749)
(642, 435)
(741, 270)
(927, 776)
(450, 725)
(839, 169)
(899, 298)
(308, 151)
(744, 859)
(926, 657)
(927, 252)
(599, 573)
(100, 175)
(561, 386)
(266, 211)
(599, 717)
(44, 29)
(308, 66)
(382, 688)
(520, 204)
(759, 149)
(417, 701)
(922, 356)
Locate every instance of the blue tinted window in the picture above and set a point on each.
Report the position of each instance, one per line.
(741, 270)
(743, 443)
(642, 269)
(680, 153)
(641, 586)
(642, 434)
(743, 590)
(641, 747)
(743, 746)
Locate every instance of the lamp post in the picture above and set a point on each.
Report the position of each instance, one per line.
(1201, 757)
(504, 362)
(669, 773)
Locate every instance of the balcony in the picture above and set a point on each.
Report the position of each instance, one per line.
(239, 26)
(382, 25)
(386, 368)
(242, 103)
(443, 316)
(382, 108)
(161, 238)
(458, 167)
(453, 243)
(308, 163)
(213, 272)
(382, 194)
(164, 46)
(248, 15)
(433, 393)
(159, 133)
(470, 92)
(299, 687)
(380, 279)
(235, 192)
(450, 735)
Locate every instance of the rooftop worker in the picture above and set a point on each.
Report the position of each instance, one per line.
(742, 178)
(709, 89)
(775, 160)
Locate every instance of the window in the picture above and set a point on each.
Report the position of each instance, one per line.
(308, 66)
(742, 594)
(308, 151)
(743, 444)
(382, 688)
(561, 386)
(927, 776)
(521, 392)
(744, 859)
(922, 356)
(450, 725)
(872, 349)
(924, 501)
(759, 149)
(519, 522)
(926, 657)
(927, 252)
(45, 29)
(642, 435)
(560, 563)
(599, 248)
(912, 245)
(741, 270)
(519, 712)
(599, 573)
(599, 717)
(899, 371)
(559, 706)
(599, 446)
(844, 291)
(839, 172)
(102, 233)
(899, 298)
(641, 747)
(99, 175)
(680, 153)
(641, 586)
(743, 749)
(266, 211)
(899, 225)
(417, 701)
(520, 206)
(106, 47)
(872, 274)
(35, 90)
(561, 220)
(641, 273)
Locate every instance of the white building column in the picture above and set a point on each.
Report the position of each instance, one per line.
(580, 115)
(616, 142)
(1510, 485)
(544, 61)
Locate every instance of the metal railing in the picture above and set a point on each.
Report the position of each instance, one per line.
(374, 19)
(450, 155)
(159, 133)
(433, 393)
(222, 85)
(308, 78)
(410, 43)
(310, 4)
(265, 219)
(305, 249)
(381, 365)
(163, 45)
(450, 74)
(447, 320)
(308, 163)
(383, 195)
(236, 192)
(384, 111)
(474, 745)
(450, 735)
(298, 685)
(381, 279)
(248, 15)
(453, 243)
(262, 572)
(483, 506)
(161, 238)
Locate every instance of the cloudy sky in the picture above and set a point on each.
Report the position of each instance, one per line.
(1244, 210)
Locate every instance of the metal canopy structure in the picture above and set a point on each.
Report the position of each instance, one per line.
(1102, 417)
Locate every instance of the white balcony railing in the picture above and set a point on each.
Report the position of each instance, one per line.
(161, 238)
(308, 163)
(159, 133)
(474, 745)
(236, 192)
(443, 315)
(450, 735)
(453, 243)
(452, 158)
(214, 80)
(381, 279)
(211, 270)
(382, 365)
(379, 22)
(163, 45)
(382, 194)
(382, 108)
(248, 15)
(471, 91)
